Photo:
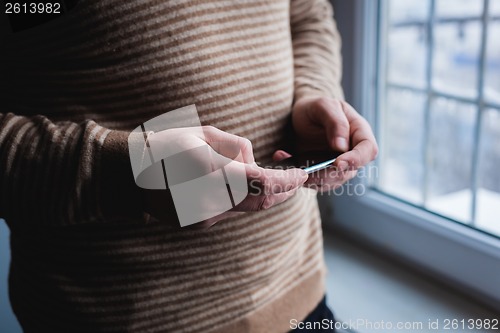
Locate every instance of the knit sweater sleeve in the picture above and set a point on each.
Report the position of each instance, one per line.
(63, 173)
(316, 49)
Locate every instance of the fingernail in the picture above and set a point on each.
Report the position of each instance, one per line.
(343, 165)
(341, 143)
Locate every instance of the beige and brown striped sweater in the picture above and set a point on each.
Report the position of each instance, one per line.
(84, 256)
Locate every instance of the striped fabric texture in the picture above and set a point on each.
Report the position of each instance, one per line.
(85, 258)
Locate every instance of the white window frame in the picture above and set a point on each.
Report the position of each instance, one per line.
(455, 254)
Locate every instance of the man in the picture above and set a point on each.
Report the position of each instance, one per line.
(91, 251)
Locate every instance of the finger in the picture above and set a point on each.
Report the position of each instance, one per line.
(330, 176)
(280, 155)
(263, 202)
(358, 157)
(268, 181)
(365, 147)
(229, 144)
(329, 182)
(328, 186)
(360, 128)
(332, 116)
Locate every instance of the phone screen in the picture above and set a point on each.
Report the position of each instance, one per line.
(310, 162)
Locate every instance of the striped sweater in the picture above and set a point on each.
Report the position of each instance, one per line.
(85, 257)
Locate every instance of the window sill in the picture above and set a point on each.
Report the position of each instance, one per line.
(367, 287)
(456, 255)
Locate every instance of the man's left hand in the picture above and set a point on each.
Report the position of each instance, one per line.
(323, 123)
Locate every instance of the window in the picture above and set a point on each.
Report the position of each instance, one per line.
(426, 74)
(440, 108)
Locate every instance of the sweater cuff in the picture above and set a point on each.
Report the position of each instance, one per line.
(312, 91)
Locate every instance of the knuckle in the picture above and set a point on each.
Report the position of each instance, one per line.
(355, 161)
(342, 124)
(247, 144)
(209, 129)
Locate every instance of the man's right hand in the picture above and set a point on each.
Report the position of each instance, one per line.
(267, 187)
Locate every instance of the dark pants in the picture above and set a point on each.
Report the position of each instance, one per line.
(321, 314)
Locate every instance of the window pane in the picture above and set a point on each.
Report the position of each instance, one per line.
(440, 175)
(401, 169)
(406, 60)
(495, 7)
(449, 165)
(459, 8)
(488, 195)
(408, 10)
(456, 58)
(492, 74)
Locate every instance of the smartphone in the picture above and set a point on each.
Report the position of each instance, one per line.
(310, 161)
